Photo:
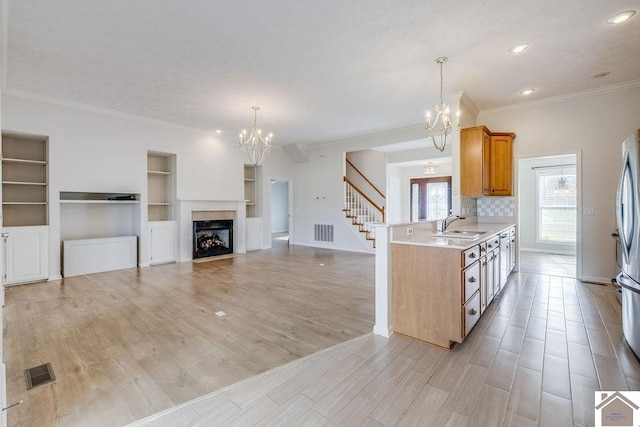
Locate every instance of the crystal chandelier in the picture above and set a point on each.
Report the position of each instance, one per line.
(255, 144)
(430, 169)
(442, 115)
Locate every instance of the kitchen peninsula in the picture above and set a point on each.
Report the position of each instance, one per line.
(442, 285)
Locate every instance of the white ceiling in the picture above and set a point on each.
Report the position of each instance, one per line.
(320, 71)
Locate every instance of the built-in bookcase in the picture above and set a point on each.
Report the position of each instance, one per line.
(24, 180)
(251, 190)
(161, 186)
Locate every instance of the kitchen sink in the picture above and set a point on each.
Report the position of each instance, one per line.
(459, 234)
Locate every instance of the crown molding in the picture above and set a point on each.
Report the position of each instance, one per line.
(109, 112)
(563, 98)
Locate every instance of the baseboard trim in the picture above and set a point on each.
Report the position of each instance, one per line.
(598, 280)
(382, 331)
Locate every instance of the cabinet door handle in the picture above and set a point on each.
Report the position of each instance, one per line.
(4, 234)
(472, 255)
(472, 279)
(472, 312)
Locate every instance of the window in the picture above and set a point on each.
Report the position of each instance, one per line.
(430, 198)
(557, 211)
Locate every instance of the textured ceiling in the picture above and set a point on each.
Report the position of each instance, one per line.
(320, 71)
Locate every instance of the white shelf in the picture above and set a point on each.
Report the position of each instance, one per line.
(160, 204)
(23, 183)
(24, 203)
(249, 180)
(158, 172)
(113, 202)
(24, 161)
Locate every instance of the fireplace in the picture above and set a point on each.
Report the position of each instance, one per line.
(211, 238)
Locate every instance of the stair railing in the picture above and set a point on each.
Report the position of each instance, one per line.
(359, 206)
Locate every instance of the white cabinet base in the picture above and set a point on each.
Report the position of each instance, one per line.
(26, 254)
(162, 242)
(88, 256)
(254, 234)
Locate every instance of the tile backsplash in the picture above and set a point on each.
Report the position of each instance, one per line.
(468, 206)
(496, 206)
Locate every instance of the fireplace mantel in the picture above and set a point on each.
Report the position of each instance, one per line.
(186, 208)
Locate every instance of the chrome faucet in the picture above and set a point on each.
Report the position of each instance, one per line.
(448, 220)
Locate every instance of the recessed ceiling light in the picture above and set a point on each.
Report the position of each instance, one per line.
(621, 17)
(218, 131)
(527, 91)
(519, 48)
(600, 75)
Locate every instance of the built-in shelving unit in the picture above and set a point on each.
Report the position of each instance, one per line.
(24, 180)
(161, 186)
(250, 190)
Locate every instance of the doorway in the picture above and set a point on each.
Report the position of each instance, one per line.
(548, 200)
(430, 198)
(280, 212)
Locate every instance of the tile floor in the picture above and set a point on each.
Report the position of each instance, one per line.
(552, 264)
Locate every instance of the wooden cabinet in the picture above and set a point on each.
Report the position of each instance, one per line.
(162, 241)
(439, 293)
(486, 162)
(25, 254)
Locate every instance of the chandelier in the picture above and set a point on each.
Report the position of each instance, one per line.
(255, 144)
(442, 116)
(430, 169)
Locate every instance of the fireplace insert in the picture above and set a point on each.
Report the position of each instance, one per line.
(211, 238)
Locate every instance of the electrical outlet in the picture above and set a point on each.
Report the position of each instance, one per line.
(409, 231)
(589, 211)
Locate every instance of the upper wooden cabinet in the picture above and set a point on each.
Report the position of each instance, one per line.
(486, 162)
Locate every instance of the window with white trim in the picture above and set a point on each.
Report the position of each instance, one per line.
(557, 205)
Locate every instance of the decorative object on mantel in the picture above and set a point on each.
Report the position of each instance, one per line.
(442, 115)
(255, 144)
(430, 169)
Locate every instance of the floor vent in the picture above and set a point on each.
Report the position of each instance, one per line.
(39, 375)
(323, 232)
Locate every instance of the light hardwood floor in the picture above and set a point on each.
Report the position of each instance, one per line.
(535, 358)
(128, 344)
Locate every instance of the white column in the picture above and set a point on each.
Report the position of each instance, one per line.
(383, 325)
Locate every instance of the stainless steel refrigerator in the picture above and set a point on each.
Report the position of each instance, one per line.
(628, 217)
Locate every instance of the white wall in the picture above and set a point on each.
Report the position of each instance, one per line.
(94, 151)
(279, 207)
(371, 164)
(527, 192)
(319, 189)
(593, 126)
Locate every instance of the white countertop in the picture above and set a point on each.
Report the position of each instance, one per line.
(423, 237)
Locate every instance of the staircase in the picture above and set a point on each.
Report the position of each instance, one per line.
(363, 212)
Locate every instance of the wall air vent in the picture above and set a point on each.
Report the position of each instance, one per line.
(323, 232)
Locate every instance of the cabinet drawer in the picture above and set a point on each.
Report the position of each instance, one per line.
(470, 256)
(471, 280)
(471, 313)
(493, 242)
